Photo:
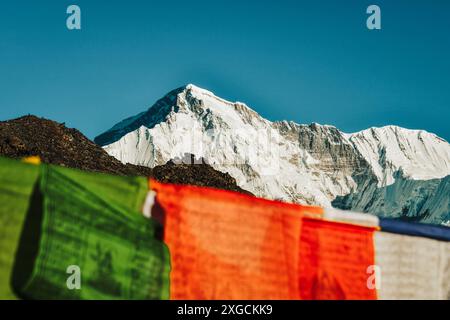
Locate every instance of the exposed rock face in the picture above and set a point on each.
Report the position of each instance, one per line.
(56, 144)
(338, 155)
(311, 164)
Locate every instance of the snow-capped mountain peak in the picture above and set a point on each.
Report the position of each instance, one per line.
(312, 164)
(419, 154)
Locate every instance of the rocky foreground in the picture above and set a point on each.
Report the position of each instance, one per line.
(56, 144)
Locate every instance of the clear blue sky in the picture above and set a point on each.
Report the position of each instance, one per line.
(307, 61)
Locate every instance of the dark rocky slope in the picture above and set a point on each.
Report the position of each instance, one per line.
(56, 144)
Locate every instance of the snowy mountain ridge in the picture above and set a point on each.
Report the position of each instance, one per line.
(313, 164)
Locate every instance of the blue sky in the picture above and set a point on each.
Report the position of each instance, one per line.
(307, 61)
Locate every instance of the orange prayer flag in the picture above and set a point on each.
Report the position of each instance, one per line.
(334, 258)
(226, 245)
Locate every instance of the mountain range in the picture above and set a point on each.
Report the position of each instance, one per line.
(388, 171)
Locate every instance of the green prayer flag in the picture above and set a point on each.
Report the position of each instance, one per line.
(128, 192)
(16, 185)
(90, 234)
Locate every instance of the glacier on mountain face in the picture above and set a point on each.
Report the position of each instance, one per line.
(420, 155)
(407, 199)
(311, 164)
